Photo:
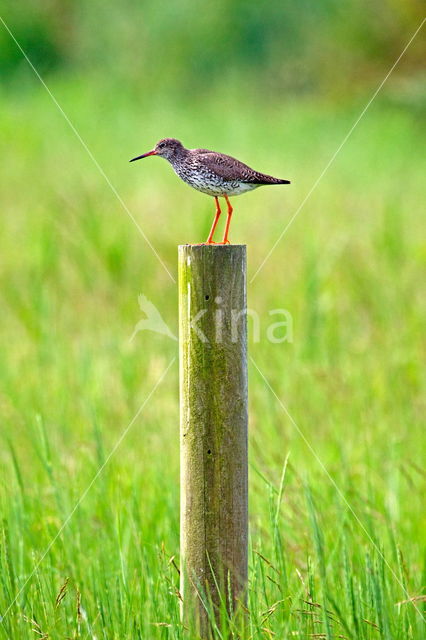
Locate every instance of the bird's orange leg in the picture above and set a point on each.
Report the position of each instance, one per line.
(215, 221)
(228, 221)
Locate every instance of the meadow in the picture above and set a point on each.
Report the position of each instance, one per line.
(89, 496)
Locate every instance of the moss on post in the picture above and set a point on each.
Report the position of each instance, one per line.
(213, 438)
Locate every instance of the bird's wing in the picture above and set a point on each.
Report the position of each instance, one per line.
(229, 168)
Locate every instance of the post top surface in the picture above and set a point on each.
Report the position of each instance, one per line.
(213, 252)
(212, 247)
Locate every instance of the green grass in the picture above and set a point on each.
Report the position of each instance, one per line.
(350, 270)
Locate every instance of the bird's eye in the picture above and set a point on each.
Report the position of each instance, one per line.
(161, 145)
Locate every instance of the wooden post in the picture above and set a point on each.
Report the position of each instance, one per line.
(213, 436)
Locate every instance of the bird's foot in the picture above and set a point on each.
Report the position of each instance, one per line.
(207, 244)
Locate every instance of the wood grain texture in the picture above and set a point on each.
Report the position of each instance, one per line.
(213, 437)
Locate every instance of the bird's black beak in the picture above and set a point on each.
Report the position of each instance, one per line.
(144, 155)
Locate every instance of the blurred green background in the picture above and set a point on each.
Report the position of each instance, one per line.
(277, 48)
(279, 85)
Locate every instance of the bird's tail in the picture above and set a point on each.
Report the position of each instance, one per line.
(263, 178)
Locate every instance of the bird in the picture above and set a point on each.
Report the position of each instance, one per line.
(212, 173)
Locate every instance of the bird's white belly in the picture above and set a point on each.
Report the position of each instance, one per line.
(233, 189)
(214, 187)
(239, 188)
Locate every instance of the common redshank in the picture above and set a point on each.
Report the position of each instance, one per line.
(215, 174)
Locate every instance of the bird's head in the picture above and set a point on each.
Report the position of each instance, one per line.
(167, 148)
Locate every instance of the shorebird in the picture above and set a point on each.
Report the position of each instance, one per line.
(215, 174)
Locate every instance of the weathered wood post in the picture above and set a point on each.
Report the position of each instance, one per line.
(213, 437)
